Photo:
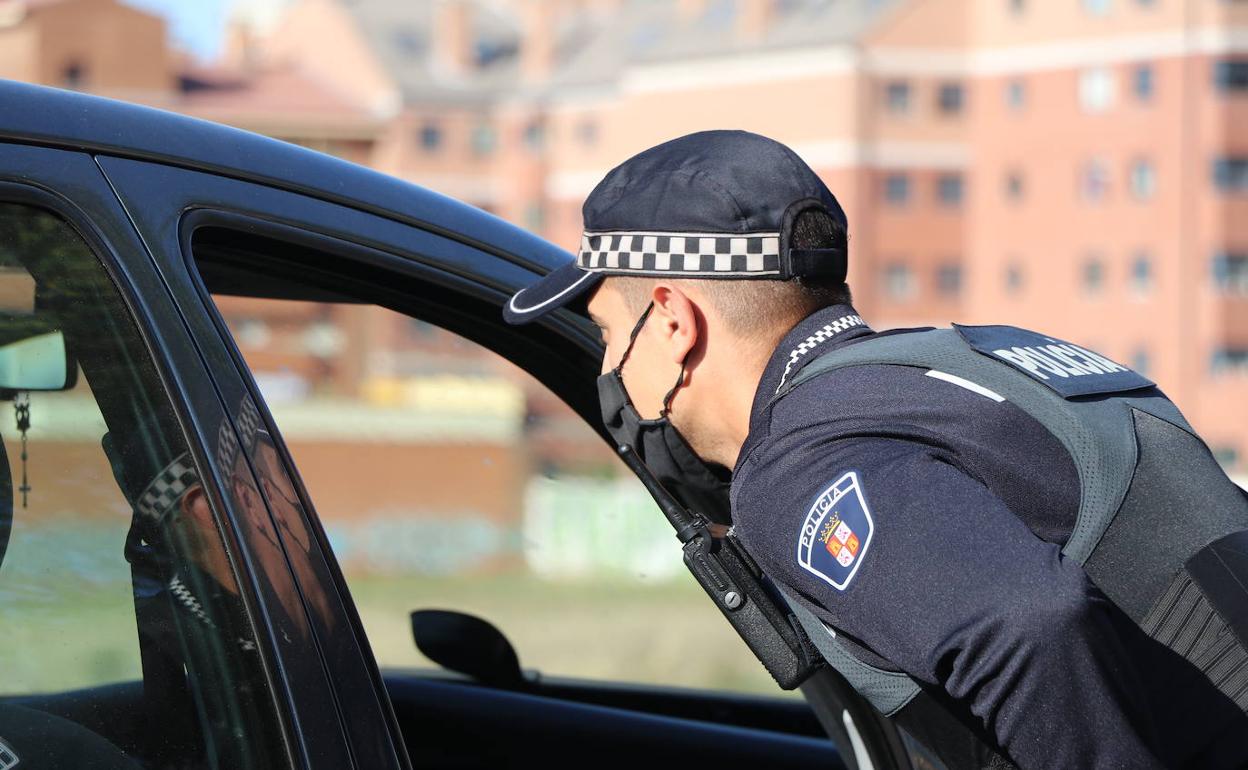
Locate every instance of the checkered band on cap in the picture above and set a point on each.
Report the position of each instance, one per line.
(227, 446)
(248, 422)
(660, 253)
(167, 488)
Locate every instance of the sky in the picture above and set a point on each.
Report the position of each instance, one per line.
(196, 26)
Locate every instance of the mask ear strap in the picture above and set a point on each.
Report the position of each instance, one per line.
(632, 337)
(667, 400)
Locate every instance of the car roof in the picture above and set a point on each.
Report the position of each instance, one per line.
(70, 120)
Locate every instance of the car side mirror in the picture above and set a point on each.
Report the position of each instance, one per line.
(41, 363)
(468, 645)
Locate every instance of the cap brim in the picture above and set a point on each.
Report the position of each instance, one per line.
(555, 290)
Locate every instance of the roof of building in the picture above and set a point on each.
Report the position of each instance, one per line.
(273, 99)
(795, 23)
(593, 44)
(401, 35)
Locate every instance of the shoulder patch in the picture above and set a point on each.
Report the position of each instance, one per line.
(836, 533)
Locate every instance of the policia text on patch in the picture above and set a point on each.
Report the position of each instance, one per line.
(1013, 547)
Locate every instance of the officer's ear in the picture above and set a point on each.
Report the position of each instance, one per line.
(678, 318)
(194, 506)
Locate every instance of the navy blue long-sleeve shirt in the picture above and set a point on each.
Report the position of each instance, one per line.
(951, 567)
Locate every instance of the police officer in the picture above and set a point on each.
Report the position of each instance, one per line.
(1013, 527)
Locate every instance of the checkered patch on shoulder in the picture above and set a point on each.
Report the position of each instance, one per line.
(662, 253)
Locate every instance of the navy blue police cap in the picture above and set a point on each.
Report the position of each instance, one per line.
(715, 204)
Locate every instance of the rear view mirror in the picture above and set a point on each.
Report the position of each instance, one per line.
(40, 362)
(467, 645)
(33, 352)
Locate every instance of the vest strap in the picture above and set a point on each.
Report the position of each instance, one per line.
(888, 691)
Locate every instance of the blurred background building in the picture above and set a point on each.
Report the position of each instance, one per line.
(1076, 166)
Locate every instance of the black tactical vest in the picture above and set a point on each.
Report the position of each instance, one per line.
(1160, 528)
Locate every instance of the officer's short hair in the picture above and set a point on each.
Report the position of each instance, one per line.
(752, 305)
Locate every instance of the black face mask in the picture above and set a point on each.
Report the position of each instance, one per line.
(659, 445)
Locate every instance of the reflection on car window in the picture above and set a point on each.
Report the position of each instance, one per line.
(448, 478)
(126, 641)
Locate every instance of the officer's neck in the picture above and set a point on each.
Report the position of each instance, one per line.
(730, 377)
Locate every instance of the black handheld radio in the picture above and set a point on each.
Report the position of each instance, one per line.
(736, 584)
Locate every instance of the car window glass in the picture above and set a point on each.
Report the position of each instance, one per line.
(126, 641)
(448, 478)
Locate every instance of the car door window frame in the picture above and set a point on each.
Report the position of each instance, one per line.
(160, 199)
(68, 184)
(572, 380)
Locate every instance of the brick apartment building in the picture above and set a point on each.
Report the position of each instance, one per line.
(1077, 166)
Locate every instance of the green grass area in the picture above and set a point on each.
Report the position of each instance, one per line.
(63, 645)
(66, 606)
(68, 615)
(662, 633)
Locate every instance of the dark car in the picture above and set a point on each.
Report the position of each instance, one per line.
(134, 414)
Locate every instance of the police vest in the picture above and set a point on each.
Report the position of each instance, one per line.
(1160, 528)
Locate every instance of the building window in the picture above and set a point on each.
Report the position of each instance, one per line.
(1015, 94)
(949, 280)
(1014, 279)
(1093, 279)
(1142, 273)
(534, 135)
(719, 13)
(1230, 273)
(1229, 361)
(897, 189)
(484, 139)
(1231, 75)
(587, 132)
(898, 281)
(408, 41)
(950, 98)
(1094, 180)
(1142, 82)
(486, 51)
(897, 97)
(1143, 179)
(949, 189)
(1096, 89)
(430, 137)
(1014, 185)
(252, 333)
(74, 76)
(1142, 361)
(1230, 173)
(1096, 7)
